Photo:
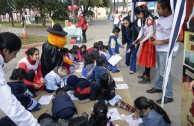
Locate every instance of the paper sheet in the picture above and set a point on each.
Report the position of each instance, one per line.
(78, 70)
(114, 59)
(71, 95)
(45, 99)
(114, 114)
(131, 121)
(118, 79)
(122, 86)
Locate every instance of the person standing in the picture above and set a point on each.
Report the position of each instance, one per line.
(83, 24)
(129, 34)
(162, 36)
(10, 45)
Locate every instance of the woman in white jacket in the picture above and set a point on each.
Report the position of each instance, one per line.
(10, 44)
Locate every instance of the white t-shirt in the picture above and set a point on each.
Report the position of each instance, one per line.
(116, 18)
(163, 30)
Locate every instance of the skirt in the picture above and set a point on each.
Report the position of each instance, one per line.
(147, 56)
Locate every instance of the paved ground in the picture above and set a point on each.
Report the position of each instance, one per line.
(100, 30)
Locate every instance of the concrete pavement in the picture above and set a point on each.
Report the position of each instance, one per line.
(100, 30)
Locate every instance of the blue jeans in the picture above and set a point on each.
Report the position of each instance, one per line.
(131, 58)
(161, 62)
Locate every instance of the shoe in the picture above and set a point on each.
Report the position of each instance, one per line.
(154, 90)
(116, 71)
(125, 65)
(166, 100)
(145, 81)
(140, 76)
(131, 72)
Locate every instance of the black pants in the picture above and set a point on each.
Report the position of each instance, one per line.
(30, 77)
(147, 72)
(84, 35)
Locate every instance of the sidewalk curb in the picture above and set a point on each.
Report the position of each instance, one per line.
(32, 45)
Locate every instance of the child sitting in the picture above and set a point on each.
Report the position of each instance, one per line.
(99, 115)
(31, 64)
(151, 113)
(106, 92)
(99, 70)
(104, 53)
(88, 68)
(55, 79)
(19, 90)
(83, 89)
(68, 60)
(83, 51)
(95, 47)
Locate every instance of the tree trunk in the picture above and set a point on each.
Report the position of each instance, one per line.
(11, 16)
(44, 20)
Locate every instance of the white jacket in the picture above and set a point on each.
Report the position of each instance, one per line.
(11, 106)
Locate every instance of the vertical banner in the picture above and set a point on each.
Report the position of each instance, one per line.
(187, 106)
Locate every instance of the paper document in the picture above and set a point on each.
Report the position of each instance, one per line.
(45, 99)
(78, 70)
(122, 86)
(118, 79)
(114, 59)
(114, 114)
(134, 122)
(71, 95)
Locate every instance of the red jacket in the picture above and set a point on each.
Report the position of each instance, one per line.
(82, 23)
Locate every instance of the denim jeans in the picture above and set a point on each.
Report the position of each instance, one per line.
(160, 66)
(131, 58)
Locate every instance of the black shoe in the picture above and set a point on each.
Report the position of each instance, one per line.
(145, 81)
(166, 100)
(153, 90)
(116, 71)
(140, 76)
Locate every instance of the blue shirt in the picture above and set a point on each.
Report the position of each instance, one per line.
(154, 119)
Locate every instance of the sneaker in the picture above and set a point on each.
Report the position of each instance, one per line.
(166, 100)
(131, 72)
(116, 71)
(145, 81)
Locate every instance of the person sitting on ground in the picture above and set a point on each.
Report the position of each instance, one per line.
(83, 51)
(83, 89)
(95, 47)
(55, 79)
(106, 92)
(151, 113)
(75, 47)
(68, 60)
(104, 53)
(20, 91)
(99, 70)
(100, 43)
(31, 64)
(99, 115)
(88, 68)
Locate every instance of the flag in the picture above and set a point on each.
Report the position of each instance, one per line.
(53, 23)
(179, 11)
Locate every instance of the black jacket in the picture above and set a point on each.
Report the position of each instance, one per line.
(132, 34)
(50, 58)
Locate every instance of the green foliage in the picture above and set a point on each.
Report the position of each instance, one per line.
(4, 8)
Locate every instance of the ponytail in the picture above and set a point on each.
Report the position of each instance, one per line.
(143, 103)
(158, 109)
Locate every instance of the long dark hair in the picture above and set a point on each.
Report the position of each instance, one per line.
(143, 103)
(18, 74)
(99, 116)
(9, 41)
(144, 9)
(84, 52)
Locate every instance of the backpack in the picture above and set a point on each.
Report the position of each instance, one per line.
(63, 107)
(83, 89)
(106, 90)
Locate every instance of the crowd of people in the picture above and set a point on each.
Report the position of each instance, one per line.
(53, 72)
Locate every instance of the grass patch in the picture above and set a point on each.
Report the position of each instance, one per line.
(19, 25)
(33, 39)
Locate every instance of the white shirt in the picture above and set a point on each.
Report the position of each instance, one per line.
(163, 30)
(116, 18)
(11, 106)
